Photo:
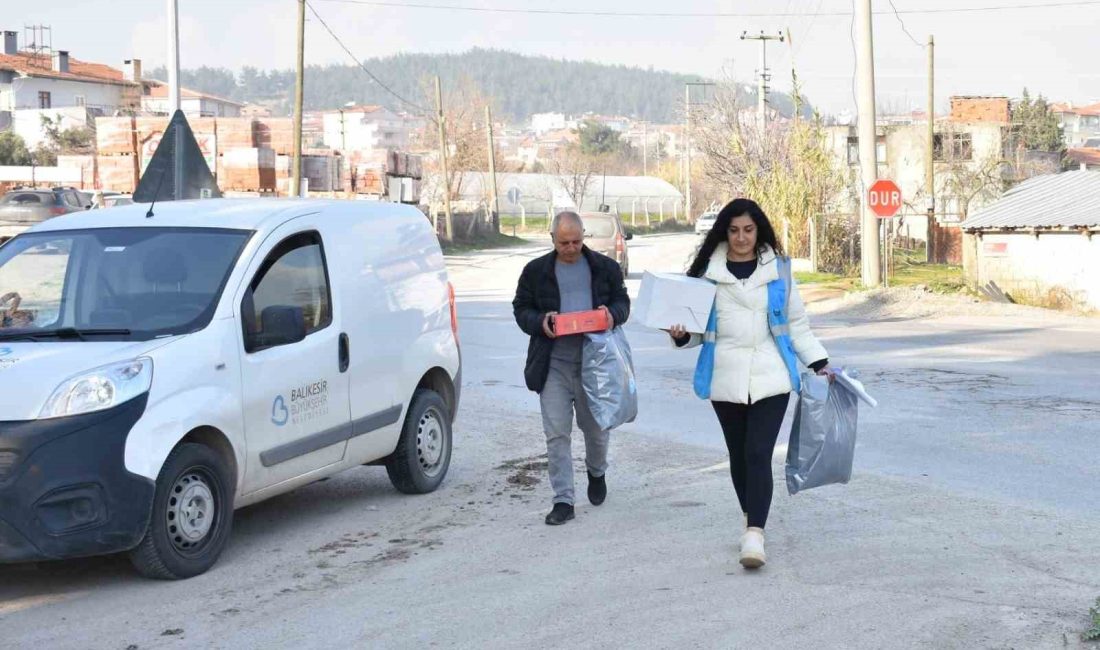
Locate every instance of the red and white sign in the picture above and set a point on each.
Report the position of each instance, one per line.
(884, 197)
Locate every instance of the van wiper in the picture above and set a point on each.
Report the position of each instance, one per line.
(64, 333)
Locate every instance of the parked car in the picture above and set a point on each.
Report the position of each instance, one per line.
(604, 233)
(160, 372)
(22, 208)
(705, 222)
(117, 200)
(110, 199)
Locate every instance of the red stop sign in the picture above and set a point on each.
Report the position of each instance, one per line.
(884, 197)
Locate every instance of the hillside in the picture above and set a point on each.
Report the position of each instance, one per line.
(520, 85)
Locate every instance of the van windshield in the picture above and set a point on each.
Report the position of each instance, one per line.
(114, 283)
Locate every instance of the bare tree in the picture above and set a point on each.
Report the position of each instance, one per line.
(464, 127)
(787, 168)
(574, 172)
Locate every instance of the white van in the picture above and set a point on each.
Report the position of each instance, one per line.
(160, 371)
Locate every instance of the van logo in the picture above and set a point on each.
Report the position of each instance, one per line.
(5, 352)
(279, 412)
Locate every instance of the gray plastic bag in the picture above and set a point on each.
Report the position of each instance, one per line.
(823, 437)
(607, 375)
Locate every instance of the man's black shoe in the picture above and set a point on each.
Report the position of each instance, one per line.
(597, 489)
(561, 513)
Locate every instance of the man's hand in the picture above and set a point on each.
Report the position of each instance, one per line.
(548, 325)
(610, 318)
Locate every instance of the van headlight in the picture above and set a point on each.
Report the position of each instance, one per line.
(100, 388)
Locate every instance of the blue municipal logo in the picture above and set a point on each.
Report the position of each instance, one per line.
(279, 412)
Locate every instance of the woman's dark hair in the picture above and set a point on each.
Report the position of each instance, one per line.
(765, 234)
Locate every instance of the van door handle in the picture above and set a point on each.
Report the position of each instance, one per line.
(345, 352)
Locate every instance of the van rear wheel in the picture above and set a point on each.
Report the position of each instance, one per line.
(423, 453)
(192, 515)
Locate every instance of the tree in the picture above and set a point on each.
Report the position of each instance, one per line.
(786, 169)
(13, 150)
(73, 140)
(972, 182)
(573, 171)
(598, 139)
(464, 125)
(1035, 126)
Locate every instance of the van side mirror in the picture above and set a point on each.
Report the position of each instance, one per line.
(628, 236)
(279, 325)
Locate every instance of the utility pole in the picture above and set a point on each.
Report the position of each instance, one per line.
(173, 57)
(868, 162)
(174, 95)
(448, 223)
(494, 205)
(930, 164)
(645, 149)
(687, 150)
(764, 76)
(296, 162)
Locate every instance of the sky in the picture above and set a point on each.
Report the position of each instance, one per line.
(1050, 50)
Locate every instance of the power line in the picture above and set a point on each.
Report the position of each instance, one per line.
(702, 14)
(903, 28)
(360, 63)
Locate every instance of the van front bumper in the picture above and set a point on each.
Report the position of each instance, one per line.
(64, 488)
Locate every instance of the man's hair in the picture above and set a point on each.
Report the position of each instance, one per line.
(567, 216)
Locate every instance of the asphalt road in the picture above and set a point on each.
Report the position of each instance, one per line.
(970, 521)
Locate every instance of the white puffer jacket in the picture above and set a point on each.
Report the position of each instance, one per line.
(747, 363)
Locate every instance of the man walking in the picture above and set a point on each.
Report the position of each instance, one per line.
(570, 278)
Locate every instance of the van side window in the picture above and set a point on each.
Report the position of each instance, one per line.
(294, 277)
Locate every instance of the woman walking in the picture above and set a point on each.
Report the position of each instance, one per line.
(752, 381)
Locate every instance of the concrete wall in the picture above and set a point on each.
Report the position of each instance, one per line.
(1024, 262)
(27, 124)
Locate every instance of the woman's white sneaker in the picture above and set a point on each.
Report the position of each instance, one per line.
(752, 549)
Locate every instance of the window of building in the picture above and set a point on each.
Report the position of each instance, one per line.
(80, 100)
(853, 150)
(951, 147)
(44, 99)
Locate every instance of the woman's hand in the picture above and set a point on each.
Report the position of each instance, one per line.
(677, 332)
(828, 371)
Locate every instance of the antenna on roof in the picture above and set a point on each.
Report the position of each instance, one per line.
(149, 214)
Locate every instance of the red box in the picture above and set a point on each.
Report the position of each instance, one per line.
(579, 322)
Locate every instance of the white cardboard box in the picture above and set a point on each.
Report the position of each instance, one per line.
(668, 299)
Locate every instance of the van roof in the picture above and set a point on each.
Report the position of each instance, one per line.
(241, 214)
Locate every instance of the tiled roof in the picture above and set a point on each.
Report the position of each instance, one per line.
(40, 66)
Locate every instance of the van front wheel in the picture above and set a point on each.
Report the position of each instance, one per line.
(423, 453)
(192, 515)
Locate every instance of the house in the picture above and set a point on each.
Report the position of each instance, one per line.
(193, 103)
(1079, 123)
(970, 170)
(1087, 158)
(363, 128)
(544, 122)
(1038, 242)
(37, 80)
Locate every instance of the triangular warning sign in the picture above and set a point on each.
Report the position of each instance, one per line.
(178, 169)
